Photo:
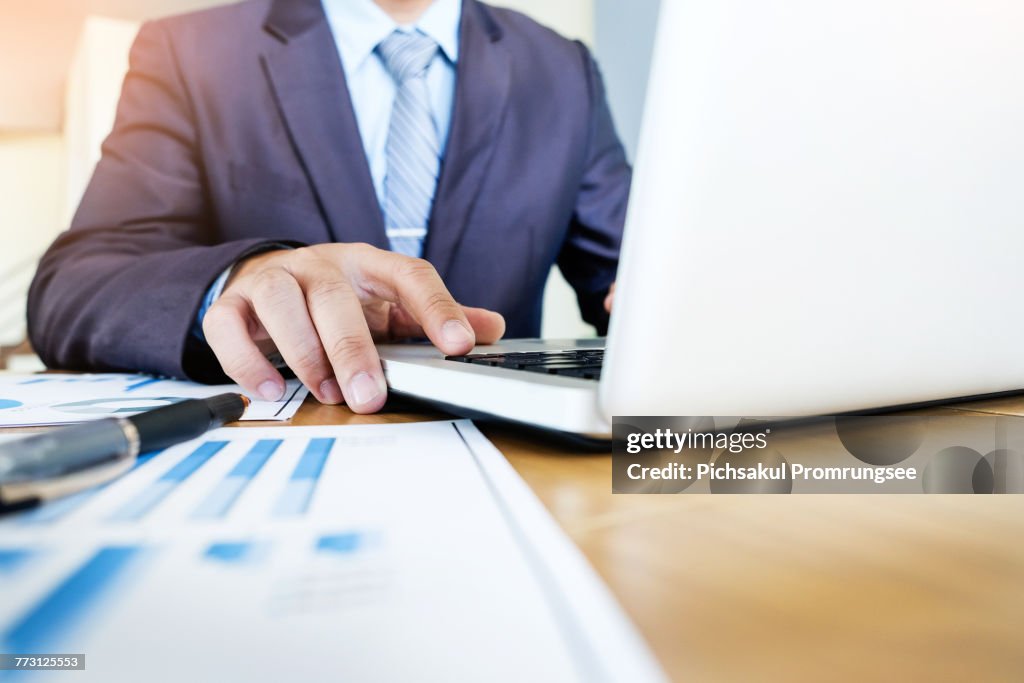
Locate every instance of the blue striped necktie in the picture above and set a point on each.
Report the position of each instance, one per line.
(413, 152)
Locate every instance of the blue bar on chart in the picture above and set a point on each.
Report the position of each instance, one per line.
(57, 509)
(224, 495)
(236, 552)
(69, 379)
(339, 544)
(143, 383)
(13, 559)
(48, 622)
(62, 507)
(298, 492)
(137, 508)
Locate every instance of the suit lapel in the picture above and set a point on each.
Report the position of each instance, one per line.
(481, 92)
(309, 85)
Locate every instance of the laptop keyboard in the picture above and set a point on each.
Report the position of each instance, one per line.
(582, 363)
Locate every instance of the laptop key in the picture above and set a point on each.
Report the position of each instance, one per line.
(582, 363)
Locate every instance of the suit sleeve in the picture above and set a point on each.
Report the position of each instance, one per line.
(121, 288)
(590, 255)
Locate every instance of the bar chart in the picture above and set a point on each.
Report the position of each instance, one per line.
(293, 500)
(140, 498)
(251, 549)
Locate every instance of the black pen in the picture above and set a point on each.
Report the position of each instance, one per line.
(66, 460)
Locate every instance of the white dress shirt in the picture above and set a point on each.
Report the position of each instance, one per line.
(358, 27)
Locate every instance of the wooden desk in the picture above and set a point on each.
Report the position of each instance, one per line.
(790, 588)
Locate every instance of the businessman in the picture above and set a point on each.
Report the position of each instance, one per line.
(299, 178)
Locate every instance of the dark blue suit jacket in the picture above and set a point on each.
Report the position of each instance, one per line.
(235, 129)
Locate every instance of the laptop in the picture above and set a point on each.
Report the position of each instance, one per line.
(827, 216)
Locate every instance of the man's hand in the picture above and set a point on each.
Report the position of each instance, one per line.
(322, 308)
(610, 298)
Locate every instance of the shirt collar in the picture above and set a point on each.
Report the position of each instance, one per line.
(360, 25)
(441, 22)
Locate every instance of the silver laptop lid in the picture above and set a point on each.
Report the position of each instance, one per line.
(828, 209)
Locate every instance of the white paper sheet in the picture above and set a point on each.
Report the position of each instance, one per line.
(407, 552)
(55, 399)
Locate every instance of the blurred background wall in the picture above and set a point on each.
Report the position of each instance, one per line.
(623, 40)
(60, 72)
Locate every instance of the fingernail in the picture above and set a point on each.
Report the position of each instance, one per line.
(456, 334)
(270, 391)
(363, 388)
(331, 391)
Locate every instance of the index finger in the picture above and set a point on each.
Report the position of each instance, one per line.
(415, 285)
